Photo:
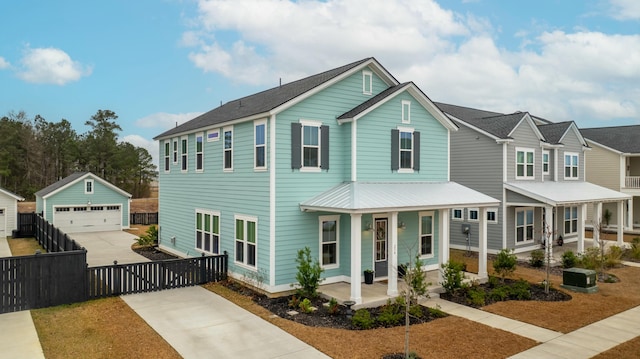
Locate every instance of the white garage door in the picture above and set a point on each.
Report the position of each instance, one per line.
(94, 218)
(3, 223)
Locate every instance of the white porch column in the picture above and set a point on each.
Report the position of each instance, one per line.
(620, 219)
(547, 232)
(482, 244)
(443, 241)
(583, 218)
(392, 253)
(597, 223)
(356, 257)
(630, 214)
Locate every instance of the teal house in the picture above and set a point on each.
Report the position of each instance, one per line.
(84, 202)
(349, 162)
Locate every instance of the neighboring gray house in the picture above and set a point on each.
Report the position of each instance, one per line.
(84, 202)
(534, 167)
(8, 212)
(614, 162)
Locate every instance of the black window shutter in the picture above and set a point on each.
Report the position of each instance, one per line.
(416, 151)
(296, 145)
(324, 147)
(395, 149)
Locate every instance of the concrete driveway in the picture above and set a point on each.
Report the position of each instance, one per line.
(105, 247)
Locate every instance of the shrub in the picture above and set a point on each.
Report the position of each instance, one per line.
(590, 259)
(537, 258)
(150, 238)
(635, 248)
(493, 281)
(499, 294)
(416, 311)
(294, 302)
(391, 314)
(520, 290)
(569, 259)
(613, 257)
(452, 276)
(333, 307)
(305, 306)
(476, 296)
(416, 278)
(505, 263)
(308, 276)
(362, 319)
(436, 312)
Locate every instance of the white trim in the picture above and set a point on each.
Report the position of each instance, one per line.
(272, 201)
(167, 156)
(410, 130)
(245, 219)
(213, 135)
(195, 230)
(473, 209)
(571, 219)
(321, 220)
(457, 219)
(367, 82)
(571, 166)
(494, 210)
(175, 142)
(433, 233)
(354, 151)
(86, 182)
(184, 156)
(310, 123)
(256, 123)
(102, 181)
(224, 149)
(525, 225)
(406, 116)
(548, 153)
(525, 150)
(201, 135)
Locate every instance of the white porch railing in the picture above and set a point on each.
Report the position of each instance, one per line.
(632, 182)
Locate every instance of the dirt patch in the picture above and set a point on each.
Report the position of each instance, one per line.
(144, 205)
(152, 253)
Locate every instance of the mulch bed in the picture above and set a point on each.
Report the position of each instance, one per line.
(153, 253)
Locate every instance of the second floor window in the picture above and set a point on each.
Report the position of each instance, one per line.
(199, 152)
(228, 149)
(175, 152)
(184, 154)
(524, 164)
(309, 146)
(405, 150)
(260, 145)
(545, 162)
(167, 158)
(571, 165)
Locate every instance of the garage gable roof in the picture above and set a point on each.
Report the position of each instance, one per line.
(11, 194)
(73, 179)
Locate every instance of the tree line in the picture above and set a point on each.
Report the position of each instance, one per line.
(35, 153)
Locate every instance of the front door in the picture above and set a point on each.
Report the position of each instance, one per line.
(380, 247)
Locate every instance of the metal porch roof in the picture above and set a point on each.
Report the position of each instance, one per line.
(370, 197)
(559, 193)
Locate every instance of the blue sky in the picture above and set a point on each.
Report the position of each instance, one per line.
(158, 63)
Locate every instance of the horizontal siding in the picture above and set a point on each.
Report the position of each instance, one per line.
(571, 145)
(10, 214)
(524, 136)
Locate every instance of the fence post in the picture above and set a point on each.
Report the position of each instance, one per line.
(226, 265)
(203, 270)
(116, 278)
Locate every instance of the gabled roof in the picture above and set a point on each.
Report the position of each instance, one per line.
(567, 192)
(554, 133)
(72, 179)
(624, 139)
(371, 197)
(391, 92)
(11, 194)
(262, 103)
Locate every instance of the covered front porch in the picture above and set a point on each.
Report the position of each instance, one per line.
(414, 215)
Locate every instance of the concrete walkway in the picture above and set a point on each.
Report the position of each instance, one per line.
(105, 247)
(201, 324)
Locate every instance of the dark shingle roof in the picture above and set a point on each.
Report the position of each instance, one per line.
(495, 123)
(464, 113)
(63, 182)
(553, 132)
(625, 139)
(372, 101)
(260, 102)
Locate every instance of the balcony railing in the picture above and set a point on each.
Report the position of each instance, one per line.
(632, 182)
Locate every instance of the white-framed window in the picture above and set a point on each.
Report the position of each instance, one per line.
(246, 239)
(260, 143)
(524, 224)
(570, 220)
(88, 186)
(492, 215)
(167, 155)
(473, 214)
(311, 145)
(184, 153)
(571, 161)
(406, 111)
(208, 231)
(367, 82)
(329, 241)
(175, 151)
(213, 135)
(524, 163)
(228, 149)
(457, 214)
(545, 162)
(406, 149)
(199, 152)
(426, 234)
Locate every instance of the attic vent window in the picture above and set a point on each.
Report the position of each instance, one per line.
(88, 186)
(367, 82)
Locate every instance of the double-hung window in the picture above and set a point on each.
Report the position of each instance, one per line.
(524, 163)
(367, 82)
(309, 146)
(246, 240)
(524, 224)
(405, 150)
(260, 143)
(175, 152)
(184, 153)
(329, 240)
(199, 152)
(167, 156)
(228, 149)
(88, 186)
(208, 231)
(426, 234)
(571, 161)
(545, 162)
(570, 220)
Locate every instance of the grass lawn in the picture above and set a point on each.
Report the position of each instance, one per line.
(24, 246)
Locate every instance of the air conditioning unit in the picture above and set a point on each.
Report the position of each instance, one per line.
(580, 280)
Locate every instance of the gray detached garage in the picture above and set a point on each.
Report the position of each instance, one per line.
(84, 202)
(8, 212)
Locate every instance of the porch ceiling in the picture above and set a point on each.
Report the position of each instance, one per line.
(561, 193)
(371, 197)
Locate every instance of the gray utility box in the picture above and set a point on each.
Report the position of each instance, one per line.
(580, 280)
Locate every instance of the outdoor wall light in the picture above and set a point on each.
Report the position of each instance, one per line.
(368, 227)
(402, 225)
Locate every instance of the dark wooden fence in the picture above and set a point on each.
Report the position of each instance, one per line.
(52, 239)
(143, 218)
(118, 279)
(26, 225)
(42, 280)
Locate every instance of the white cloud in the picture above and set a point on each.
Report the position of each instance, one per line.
(625, 9)
(165, 120)
(4, 64)
(150, 145)
(51, 66)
